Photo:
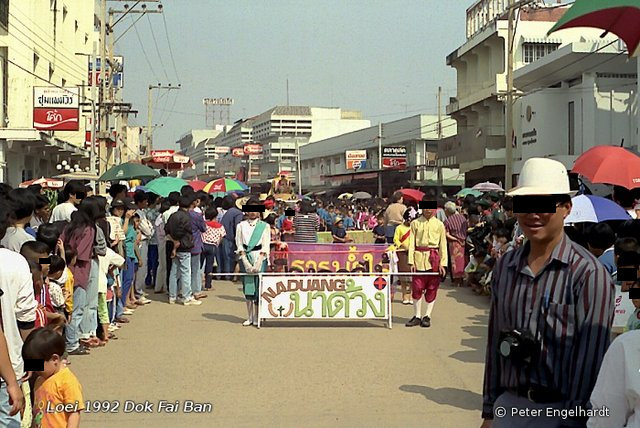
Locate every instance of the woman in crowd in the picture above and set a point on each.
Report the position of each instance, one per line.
(68, 200)
(306, 224)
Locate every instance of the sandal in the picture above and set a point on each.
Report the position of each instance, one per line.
(131, 306)
(122, 320)
(80, 351)
(112, 336)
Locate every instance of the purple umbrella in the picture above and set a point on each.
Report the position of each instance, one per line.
(594, 209)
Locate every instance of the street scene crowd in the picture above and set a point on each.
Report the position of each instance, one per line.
(74, 270)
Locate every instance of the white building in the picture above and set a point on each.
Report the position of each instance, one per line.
(582, 95)
(197, 144)
(39, 44)
(324, 163)
(480, 64)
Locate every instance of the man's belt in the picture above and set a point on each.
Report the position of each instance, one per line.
(538, 394)
(256, 248)
(426, 248)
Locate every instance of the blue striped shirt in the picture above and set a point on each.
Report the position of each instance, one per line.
(568, 306)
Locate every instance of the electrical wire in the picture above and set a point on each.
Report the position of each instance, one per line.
(173, 61)
(144, 52)
(155, 42)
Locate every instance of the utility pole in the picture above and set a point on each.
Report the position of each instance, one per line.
(150, 112)
(380, 159)
(298, 167)
(438, 167)
(508, 165)
(94, 116)
(103, 126)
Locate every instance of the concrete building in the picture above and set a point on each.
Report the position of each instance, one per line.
(480, 63)
(324, 163)
(38, 46)
(197, 144)
(582, 95)
(280, 131)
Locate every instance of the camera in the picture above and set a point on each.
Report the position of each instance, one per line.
(520, 347)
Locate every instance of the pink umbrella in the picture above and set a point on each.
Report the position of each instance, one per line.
(488, 186)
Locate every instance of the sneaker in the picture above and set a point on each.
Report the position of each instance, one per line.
(144, 300)
(192, 302)
(426, 322)
(128, 312)
(172, 301)
(405, 302)
(247, 323)
(411, 302)
(179, 300)
(413, 322)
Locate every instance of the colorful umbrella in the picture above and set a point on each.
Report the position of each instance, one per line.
(128, 171)
(468, 191)
(620, 17)
(594, 209)
(224, 185)
(414, 194)
(609, 164)
(197, 184)
(487, 186)
(164, 185)
(46, 183)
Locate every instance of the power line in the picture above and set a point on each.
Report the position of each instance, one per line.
(144, 52)
(155, 42)
(173, 61)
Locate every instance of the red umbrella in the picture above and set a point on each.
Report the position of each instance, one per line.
(611, 165)
(197, 184)
(414, 194)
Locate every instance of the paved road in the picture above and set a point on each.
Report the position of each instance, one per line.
(345, 374)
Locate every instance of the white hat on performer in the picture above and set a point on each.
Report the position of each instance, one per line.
(542, 176)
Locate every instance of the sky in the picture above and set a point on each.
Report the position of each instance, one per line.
(383, 58)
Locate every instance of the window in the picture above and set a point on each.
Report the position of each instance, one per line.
(534, 51)
(77, 26)
(4, 14)
(572, 129)
(36, 59)
(64, 82)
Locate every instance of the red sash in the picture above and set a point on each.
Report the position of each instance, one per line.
(405, 236)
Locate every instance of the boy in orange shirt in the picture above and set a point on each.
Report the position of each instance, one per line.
(58, 393)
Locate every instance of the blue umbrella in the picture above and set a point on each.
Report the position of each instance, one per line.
(594, 209)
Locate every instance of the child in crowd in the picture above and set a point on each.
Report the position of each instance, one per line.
(211, 238)
(503, 243)
(56, 385)
(287, 229)
(476, 270)
(379, 231)
(339, 233)
(61, 275)
(634, 319)
(57, 285)
(349, 222)
(373, 222)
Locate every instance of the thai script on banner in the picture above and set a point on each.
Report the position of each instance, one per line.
(334, 296)
(299, 257)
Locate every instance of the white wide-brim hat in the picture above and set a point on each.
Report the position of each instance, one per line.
(542, 176)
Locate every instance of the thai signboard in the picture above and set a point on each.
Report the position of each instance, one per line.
(162, 156)
(95, 76)
(237, 152)
(56, 109)
(356, 159)
(253, 149)
(334, 296)
(217, 101)
(301, 257)
(394, 157)
(221, 150)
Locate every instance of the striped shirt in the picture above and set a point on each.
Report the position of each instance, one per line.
(568, 306)
(306, 227)
(456, 225)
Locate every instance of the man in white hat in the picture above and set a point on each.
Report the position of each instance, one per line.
(552, 306)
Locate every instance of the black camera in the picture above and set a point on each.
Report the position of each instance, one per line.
(521, 347)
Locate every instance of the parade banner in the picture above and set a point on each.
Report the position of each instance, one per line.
(335, 296)
(299, 257)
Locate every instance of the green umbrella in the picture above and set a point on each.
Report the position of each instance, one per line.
(164, 185)
(128, 171)
(620, 17)
(468, 191)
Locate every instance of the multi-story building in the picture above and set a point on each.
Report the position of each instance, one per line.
(324, 163)
(582, 95)
(480, 63)
(197, 145)
(42, 43)
(280, 132)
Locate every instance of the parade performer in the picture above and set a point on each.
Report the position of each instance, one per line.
(282, 185)
(456, 227)
(253, 239)
(427, 253)
(401, 242)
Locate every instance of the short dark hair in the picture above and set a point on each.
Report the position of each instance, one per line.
(31, 250)
(186, 201)
(41, 201)
(227, 202)
(601, 236)
(57, 264)
(24, 202)
(43, 344)
(35, 188)
(480, 253)
(49, 234)
(116, 188)
(140, 196)
(628, 251)
(211, 213)
(174, 198)
(396, 197)
(502, 233)
(152, 197)
(186, 190)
